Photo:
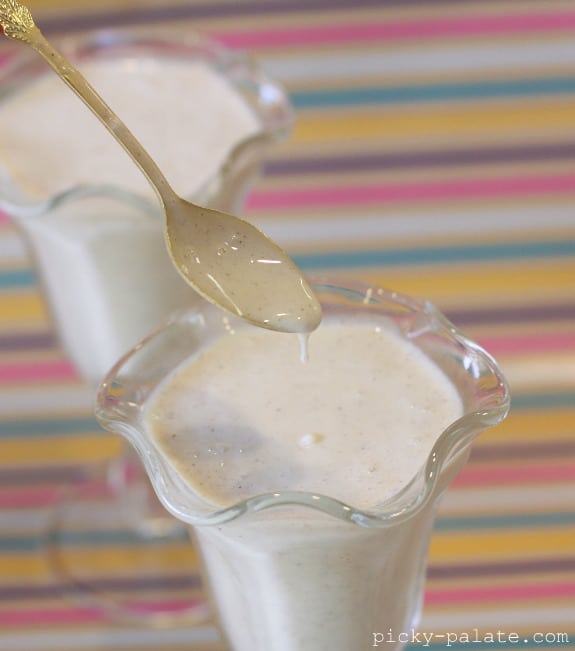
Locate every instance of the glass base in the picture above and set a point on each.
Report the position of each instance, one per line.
(123, 555)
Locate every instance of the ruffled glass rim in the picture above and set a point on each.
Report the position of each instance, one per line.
(119, 410)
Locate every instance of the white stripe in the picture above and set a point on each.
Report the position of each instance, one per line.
(539, 372)
(12, 249)
(340, 228)
(46, 400)
(344, 230)
(32, 522)
(142, 637)
(396, 62)
(535, 618)
(513, 499)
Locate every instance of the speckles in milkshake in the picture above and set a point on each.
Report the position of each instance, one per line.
(355, 422)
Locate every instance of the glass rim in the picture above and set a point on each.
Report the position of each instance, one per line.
(455, 439)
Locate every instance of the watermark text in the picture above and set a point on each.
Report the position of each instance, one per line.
(475, 636)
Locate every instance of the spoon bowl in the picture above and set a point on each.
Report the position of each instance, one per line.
(235, 266)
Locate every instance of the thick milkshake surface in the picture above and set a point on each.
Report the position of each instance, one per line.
(246, 416)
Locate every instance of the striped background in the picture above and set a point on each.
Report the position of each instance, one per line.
(434, 153)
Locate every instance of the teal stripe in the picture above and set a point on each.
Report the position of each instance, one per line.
(87, 538)
(113, 537)
(526, 401)
(507, 521)
(13, 544)
(17, 279)
(503, 88)
(436, 255)
(47, 427)
(390, 257)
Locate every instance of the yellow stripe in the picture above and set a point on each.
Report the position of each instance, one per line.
(20, 306)
(84, 448)
(129, 560)
(478, 545)
(124, 561)
(444, 121)
(523, 426)
(481, 283)
(23, 567)
(445, 548)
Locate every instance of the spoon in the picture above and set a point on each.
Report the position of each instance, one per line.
(224, 258)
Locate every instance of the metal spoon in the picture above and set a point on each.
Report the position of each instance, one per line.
(224, 258)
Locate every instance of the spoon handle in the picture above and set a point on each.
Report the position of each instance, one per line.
(16, 22)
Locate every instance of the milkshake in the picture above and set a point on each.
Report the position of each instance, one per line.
(311, 487)
(187, 115)
(246, 417)
(88, 213)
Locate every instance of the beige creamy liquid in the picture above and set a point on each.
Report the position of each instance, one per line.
(355, 422)
(237, 267)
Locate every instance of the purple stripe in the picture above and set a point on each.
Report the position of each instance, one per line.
(519, 314)
(158, 14)
(17, 477)
(523, 451)
(180, 582)
(405, 160)
(13, 342)
(193, 581)
(72, 474)
(515, 567)
(484, 316)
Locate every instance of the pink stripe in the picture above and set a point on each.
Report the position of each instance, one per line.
(426, 191)
(4, 219)
(415, 29)
(79, 615)
(30, 497)
(500, 593)
(51, 616)
(37, 371)
(517, 344)
(173, 606)
(473, 476)
(49, 495)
